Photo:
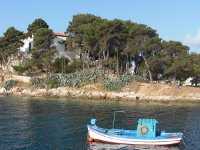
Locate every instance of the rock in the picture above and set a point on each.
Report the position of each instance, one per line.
(2, 91)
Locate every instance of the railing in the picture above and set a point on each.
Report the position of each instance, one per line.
(119, 111)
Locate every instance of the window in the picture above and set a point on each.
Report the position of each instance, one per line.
(30, 46)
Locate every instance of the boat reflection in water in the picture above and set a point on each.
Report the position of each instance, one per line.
(103, 146)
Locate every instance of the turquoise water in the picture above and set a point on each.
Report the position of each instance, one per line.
(59, 124)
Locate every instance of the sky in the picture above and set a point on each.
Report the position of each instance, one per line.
(173, 19)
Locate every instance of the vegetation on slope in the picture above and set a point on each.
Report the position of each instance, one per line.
(101, 43)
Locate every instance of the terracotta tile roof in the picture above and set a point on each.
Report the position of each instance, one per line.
(60, 34)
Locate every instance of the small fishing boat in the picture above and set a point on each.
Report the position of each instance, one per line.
(147, 133)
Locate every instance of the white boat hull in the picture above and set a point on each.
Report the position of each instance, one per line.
(94, 135)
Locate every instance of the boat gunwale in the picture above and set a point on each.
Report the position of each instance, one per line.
(170, 139)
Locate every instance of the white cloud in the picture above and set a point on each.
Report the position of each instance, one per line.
(193, 40)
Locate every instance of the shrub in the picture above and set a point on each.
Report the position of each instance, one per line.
(118, 83)
(38, 82)
(81, 78)
(28, 66)
(60, 65)
(77, 79)
(9, 84)
(52, 83)
(112, 84)
(20, 68)
(74, 66)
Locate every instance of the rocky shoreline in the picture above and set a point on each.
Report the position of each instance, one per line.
(138, 92)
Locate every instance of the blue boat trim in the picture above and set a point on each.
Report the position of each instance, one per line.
(148, 135)
(112, 132)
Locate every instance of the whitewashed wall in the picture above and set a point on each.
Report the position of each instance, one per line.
(59, 44)
(25, 47)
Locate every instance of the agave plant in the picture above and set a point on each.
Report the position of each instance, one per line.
(118, 83)
(81, 78)
(38, 82)
(76, 79)
(9, 84)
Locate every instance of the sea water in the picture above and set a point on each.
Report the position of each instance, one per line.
(60, 124)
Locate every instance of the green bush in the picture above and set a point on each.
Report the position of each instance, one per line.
(112, 84)
(60, 65)
(9, 84)
(81, 78)
(118, 83)
(52, 83)
(38, 82)
(75, 66)
(20, 68)
(76, 79)
(28, 66)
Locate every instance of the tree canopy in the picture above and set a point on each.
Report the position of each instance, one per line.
(43, 52)
(43, 38)
(37, 24)
(122, 42)
(112, 45)
(10, 43)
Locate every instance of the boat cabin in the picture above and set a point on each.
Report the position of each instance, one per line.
(147, 128)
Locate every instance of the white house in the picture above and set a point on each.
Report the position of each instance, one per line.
(58, 43)
(28, 45)
(132, 68)
(188, 82)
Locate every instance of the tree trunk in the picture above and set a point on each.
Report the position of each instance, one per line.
(107, 54)
(3, 60)
(63, 65)
(104, 55)
(127, 63)
(148, 69)
(2, 63)
(82, 61)
(88, 59)
(102, 58)
(117, 62)
(5, 63)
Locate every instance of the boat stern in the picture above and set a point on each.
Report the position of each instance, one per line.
(90, 127)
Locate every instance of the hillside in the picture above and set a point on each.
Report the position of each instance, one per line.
(133, 91)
